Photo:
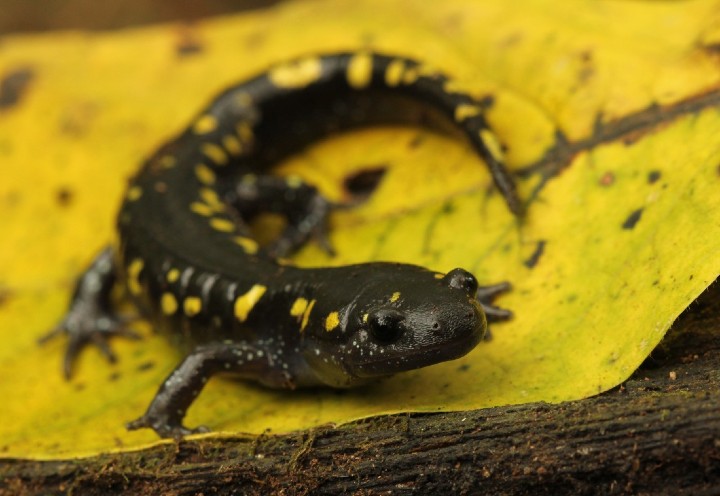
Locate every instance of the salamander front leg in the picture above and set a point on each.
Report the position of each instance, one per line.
(487, 294)
(90, 318)
(183, 385)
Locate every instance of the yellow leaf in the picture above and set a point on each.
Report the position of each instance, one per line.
(607, 111)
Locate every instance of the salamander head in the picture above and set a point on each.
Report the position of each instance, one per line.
(407, 319)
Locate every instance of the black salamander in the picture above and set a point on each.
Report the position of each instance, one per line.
(187, 260)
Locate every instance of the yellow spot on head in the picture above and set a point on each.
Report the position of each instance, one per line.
(245, 303)
(211, 198)
(359, 71)
(306, 315)
(173, 275)
(293, 181)
(395, 297)
(134, 193)
(222, 225)
(243, 99)
(192, 306)
(201, 209)
(205, 174)
(298, 307)
(167, 162)
(232, 144)
(250, 246)
(411, 75)
(205, 124)
(452, 86)
(365, 317)
(133, 276)
(492, 144)
(465, 111)
(168, 304)
(332, 321)
(394, 72)
(215, 153)
(248, 179)
(296, 74)
(244, 131)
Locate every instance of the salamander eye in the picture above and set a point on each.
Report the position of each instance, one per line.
(462, 279)
(386, 325)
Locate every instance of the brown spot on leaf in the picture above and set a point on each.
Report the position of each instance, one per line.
(587, 69)
(63, 196)
(653, 176)
(5, 296)
(607, 179)
(533, 260)
(14, 85)
(188, 43)
(145, 366)
(632, 219)
(365, 181)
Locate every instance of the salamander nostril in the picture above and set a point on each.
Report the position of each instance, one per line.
(436, 326)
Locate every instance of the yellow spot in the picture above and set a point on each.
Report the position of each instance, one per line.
(359, 71)
(205, 174)
(222, 225)
(192, 306)
(244, 131)
(134, 193)
(411, 75)
(168, 304)
(243, 99)
(133, 273)
(439, 275)
(306, 315)
(332, 321)
(298, 307)
(249, 179)
(205, 124)
(215, 153)
(173, 275)
(167, 162)
(395, 297)
(365, 317)
(293, 181)
(250, 246)
(452, 86)
(211, 198)
(201, 209)
(492, 144)
(245, 303)
(232, 145)
(394, 72)
(465, 110)
(296, 74)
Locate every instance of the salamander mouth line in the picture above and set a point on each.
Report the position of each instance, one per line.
(430, 355)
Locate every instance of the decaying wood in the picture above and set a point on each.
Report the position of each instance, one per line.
(658, 433)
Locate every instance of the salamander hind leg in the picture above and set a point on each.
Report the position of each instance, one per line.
(305, 209)
(91, 318)
(184, 384)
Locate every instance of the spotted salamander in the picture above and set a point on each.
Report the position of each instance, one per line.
(186, 258)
